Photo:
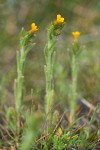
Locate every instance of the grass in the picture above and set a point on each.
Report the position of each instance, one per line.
(51, 125)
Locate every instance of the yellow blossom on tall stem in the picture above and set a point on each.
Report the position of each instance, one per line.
(76, 34)
(33, 28)
(59, 19)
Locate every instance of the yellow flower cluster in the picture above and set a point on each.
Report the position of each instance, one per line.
(33, 28)
(59, 19)
(76, 35)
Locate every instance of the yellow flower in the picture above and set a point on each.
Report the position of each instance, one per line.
(76, 35)
(59, 19)
(33, 28)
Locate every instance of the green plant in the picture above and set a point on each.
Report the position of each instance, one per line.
(31, 130)
(53, 31)
(22, 128)
(26, 45)
(58, 143)
(74, 55)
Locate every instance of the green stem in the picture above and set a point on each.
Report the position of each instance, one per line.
(19, 81)
(74, 86)
(49, 83)
(49, 70)
(53, 31)
(25, 47)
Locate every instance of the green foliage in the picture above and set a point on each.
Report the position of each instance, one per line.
(49, 68)
(74, 56)
(85, 142)
(22, 126)
(69, 140)
(11, 118)
(31, 131)
(21, 57)
(58, 143)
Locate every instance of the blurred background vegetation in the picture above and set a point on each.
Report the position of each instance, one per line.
(80, 15)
